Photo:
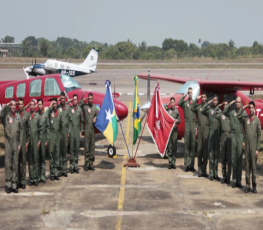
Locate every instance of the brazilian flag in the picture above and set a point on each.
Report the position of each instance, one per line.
(106, 121)
(136, 112)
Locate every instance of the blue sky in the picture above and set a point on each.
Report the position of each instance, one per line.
(112, 21)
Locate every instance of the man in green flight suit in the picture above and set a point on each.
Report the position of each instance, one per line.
(22, 154)
(43, 147)
(203, 131)
(225, 144)
(35, 133)
(236, 141)
(13, 131)
(251, 143)
(189, 133)
(53, 138)
(76, 127)
(214, 137)
(172, 145)
(65, 111)
(90, 115)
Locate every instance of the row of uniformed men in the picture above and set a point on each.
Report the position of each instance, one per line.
(209, 119)
(29, 134)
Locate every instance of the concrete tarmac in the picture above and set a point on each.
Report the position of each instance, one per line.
(149, 197)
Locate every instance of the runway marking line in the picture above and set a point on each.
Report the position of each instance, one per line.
(123, 175)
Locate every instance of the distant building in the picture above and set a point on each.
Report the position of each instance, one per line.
(4, 47)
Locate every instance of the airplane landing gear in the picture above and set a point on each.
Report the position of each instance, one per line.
(111, 151)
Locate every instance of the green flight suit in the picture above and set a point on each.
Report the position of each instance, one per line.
(13, 131)
(42, 149)
(189, 133)
(225, 144)
(89, 112)
(35, 133)
(252, 144)
(213, 139)
(76, 127)
(22, 154)
(236, 143)
(202, 138)
(65, 112)
(172, 145)
(53, 139)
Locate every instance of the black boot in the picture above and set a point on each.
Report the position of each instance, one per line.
(187, 169)
(76, 170)
(223, 180)
(217, 178)
(8, 190)
(71, 171)
(15, 190)
(239, 186)
(192, 169)
(234, 185)
(169, 167)
(247, 189)
(91, 167)
(255, 189)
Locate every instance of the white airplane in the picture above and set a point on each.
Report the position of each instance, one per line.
(54, 66)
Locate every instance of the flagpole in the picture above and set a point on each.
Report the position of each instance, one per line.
(141, 135)
(122, 130)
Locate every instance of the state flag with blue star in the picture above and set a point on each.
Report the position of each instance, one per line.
(106, 121)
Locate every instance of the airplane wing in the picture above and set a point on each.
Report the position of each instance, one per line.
(216, 85)
(171, 78)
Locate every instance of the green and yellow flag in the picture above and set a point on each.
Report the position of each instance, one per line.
(136, 112)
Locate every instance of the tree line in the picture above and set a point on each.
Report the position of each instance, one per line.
(64, 48)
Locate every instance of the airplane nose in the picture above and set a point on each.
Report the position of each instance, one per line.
(122, 109)
(28, 69)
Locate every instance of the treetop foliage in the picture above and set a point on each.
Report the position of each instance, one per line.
(64, 48)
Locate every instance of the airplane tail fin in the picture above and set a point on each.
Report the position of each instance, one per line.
(91, 60)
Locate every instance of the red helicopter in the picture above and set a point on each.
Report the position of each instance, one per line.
(48, 87)
(223, 89)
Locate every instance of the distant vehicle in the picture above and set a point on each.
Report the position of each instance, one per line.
(52, 66)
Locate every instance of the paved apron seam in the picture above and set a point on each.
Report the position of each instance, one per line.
(123, 175)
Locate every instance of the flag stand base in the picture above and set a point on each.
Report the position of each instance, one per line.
(131, 163)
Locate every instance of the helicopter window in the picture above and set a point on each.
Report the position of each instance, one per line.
(20, 90)
(35, 88)
(62, 66)
(9, 92)
(51, 87)
(56, 65)
(193, 84)
(69, 83)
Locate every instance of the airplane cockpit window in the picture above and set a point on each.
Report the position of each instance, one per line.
(51, 87)
(20, 90)
(35, 88)
(193, 84)
(9, 92)
(69, 83)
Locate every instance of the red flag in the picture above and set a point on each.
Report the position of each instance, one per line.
(160, 123)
